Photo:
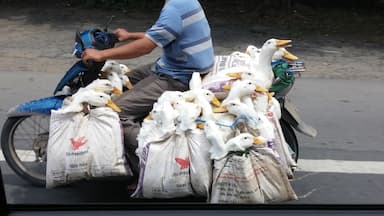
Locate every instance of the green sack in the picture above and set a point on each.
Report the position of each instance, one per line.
(283, 77)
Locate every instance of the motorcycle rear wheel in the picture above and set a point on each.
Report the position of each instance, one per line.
(290, 137)
(23, 141)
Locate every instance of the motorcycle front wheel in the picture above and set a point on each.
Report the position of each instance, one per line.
(24, 141)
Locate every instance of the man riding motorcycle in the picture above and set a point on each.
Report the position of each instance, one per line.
(184, 34)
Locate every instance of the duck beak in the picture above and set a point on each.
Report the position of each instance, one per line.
(259, 140)
(113, 106)
(283, 43)
(270, 95)
(226, 87)
(200, 125)
(261, 89)
(289, 56)
(116, 91)
(129, 85)
(236, 75)
(221, 109)
(216, 102)
(149, 117)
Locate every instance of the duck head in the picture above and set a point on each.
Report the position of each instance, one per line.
(104, 85)
(111, 65)
(99, 99)
(283, 53)
(253, 52)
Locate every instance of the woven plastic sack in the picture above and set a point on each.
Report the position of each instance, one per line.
(273, 181)
(165, 169)
(217, 78)
(250, 177)
(234, 181)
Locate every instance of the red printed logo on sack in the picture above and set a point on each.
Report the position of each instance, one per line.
(77, 143)
(184, 163)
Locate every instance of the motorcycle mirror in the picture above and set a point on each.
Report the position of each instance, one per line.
(79, 40)
(108, 23)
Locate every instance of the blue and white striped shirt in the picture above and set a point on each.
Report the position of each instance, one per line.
(182, 30)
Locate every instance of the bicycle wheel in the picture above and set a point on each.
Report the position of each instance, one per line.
(24, 141)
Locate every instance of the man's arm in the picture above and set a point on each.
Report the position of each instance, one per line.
(124, 35)
(130, 50)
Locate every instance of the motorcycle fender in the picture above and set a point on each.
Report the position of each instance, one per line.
(39, 106)
(291, 115)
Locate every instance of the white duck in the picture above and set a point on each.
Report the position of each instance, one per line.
(112, 70)
(239, 54)
(202, 97)
(257, 123)
(216, 139)
(124, 69)
(253, 52)
(160, 123)
(188, 113)
(164, 115)
(170, 96)
(262, 69)
(283, 53)
(242, 142)
(241, 90)
(81, 101)
(103, 85)
(99, 85)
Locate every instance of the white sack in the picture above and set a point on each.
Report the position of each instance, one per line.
(106, 139)
(84, 146)
(201, 164)
(63, 157)
(165, 169)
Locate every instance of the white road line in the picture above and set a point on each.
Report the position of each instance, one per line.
(341, 166)
(26, 155)
(304, 165)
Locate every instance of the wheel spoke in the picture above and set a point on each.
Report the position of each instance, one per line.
(28, 138)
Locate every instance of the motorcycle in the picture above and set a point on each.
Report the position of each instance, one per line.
(25, 133)
(290, 121)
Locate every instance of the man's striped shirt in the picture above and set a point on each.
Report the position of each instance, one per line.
(183, 32)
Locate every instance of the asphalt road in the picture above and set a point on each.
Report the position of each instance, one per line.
(342, 165)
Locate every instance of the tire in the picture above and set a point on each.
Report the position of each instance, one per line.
(23, 142)
(290, 137)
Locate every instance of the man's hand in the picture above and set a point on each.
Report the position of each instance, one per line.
(122, 34)
(92, 55)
